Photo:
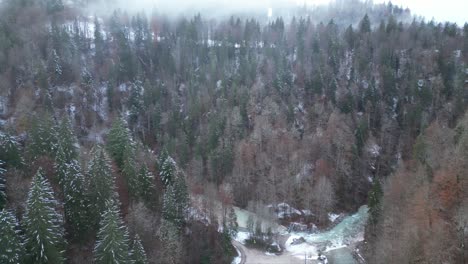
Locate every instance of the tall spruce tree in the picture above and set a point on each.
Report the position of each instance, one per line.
(374, 202)
(167, 171)
(365, 24)
(10, 240)
(176, 201)
(76, 204)
(119, 142)
(42, 138)
(130, 172)
(67, 140)
(10, 150)
(112, 245)
(100, 184)
(43, 224)
(138, 254)
(145, 184)
(232, 225)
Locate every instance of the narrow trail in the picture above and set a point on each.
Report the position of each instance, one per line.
(240, 249)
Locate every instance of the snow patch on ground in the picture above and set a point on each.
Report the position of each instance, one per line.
(332, 217)
(301, 250)
(241, 237)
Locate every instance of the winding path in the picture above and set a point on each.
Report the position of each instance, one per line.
(240, 249)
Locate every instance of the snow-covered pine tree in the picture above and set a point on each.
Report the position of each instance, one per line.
(42, 138)
(181, 196)
(232, 225)
(169, 211)
(67, 140)
(138, 253)
(3, 197)
(130, 173)
(9, 150)
(175, 202)
(43, 224)
(167, 171)
(100, 183)
(76, 204)
(145, 184)
(10, 240)
(163, 155)
(119, 142)
(112, 245)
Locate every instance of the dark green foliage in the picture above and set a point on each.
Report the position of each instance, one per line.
(130, 172)
(222, 163)
(361, 135)
(138, 254)
(176, 202)
(365, 25)
(100, 184)
(11, 248)
(167, 170)
(119, 142)
(76, 204)
(42, 138)
(112, 245)
(145, 185)
(375, 203)
(135, 102)
(10, 151)
(43, 224)
(232, 225)
(99, 43)
(67, 141)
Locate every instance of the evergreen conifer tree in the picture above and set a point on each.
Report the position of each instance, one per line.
(10, 240)
(365, 25)
(176, 201)
(112, 244)
(130, 173)
(42, 137)
(145, 184)
(375, 196)
(100, 183)
(119, 142)
(73, 185)
(167, 171)
(232, 225)
(43, 224)
(138, 254)
(67, 140)
(9, 150)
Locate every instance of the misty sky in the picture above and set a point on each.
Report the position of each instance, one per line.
(441, 11)
(445, 10)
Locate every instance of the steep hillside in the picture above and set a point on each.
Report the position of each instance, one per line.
(322, 109)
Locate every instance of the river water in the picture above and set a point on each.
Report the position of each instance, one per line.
(337, 242)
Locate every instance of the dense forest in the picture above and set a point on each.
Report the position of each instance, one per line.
(121, 133)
